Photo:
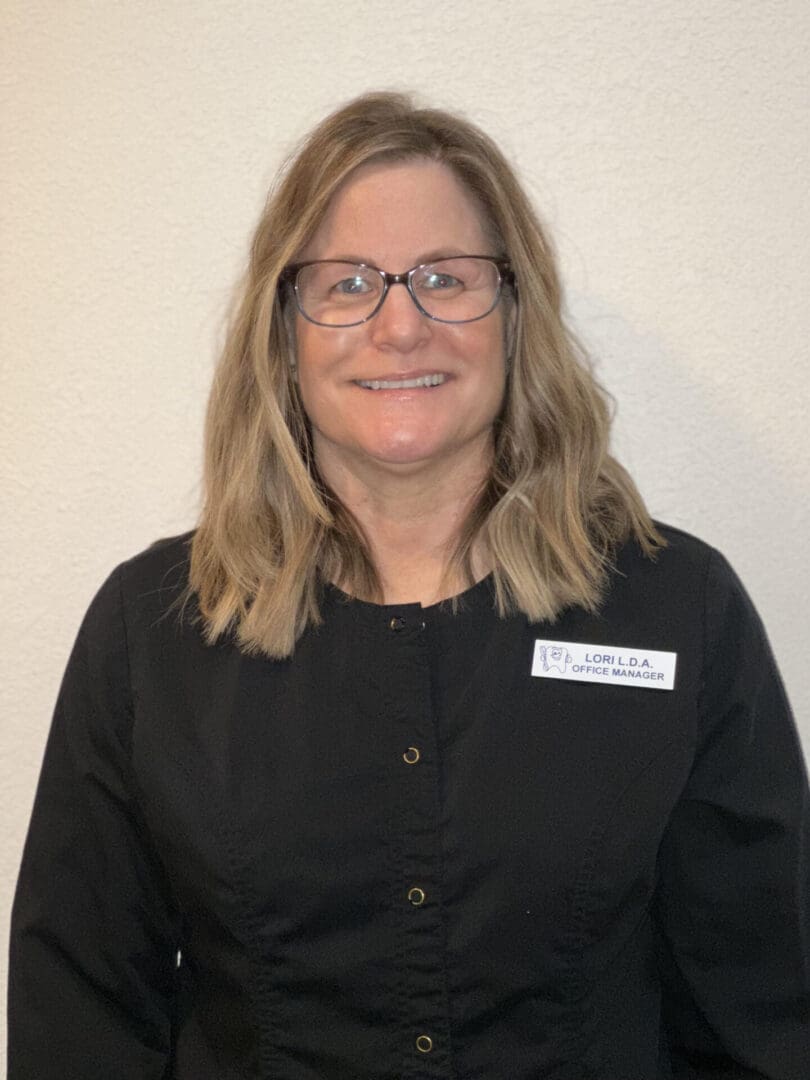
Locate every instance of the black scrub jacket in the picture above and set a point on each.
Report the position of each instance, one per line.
(400, 854)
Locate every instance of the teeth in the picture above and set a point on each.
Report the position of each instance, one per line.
(401, 384)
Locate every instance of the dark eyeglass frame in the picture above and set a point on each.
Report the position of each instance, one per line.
(506, 276)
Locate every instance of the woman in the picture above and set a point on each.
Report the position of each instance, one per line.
(428, 754)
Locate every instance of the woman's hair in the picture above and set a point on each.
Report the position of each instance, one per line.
(555, 506)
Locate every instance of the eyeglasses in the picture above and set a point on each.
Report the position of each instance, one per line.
(331, 292)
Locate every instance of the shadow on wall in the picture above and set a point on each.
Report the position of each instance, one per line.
(669, 417)
(749, 495)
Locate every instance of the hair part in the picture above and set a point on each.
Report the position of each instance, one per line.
(556, 505)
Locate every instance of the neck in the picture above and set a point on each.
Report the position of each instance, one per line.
(412, 519)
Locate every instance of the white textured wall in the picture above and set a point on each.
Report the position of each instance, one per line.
(666, 145)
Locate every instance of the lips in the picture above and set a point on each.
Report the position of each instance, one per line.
(414, 383)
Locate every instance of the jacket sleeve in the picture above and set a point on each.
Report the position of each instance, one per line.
(93, 940)
(733, 904)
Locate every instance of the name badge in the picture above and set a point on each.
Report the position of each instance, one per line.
(647, 669)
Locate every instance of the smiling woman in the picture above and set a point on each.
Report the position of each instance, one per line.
(418, 491)
(427, 754)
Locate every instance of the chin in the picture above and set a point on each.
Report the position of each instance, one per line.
(404, 455)
(400, 445)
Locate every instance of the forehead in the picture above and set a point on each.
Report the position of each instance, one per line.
(398, 214)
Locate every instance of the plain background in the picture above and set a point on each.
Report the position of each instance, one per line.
(665, 144)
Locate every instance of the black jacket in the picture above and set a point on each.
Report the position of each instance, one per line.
(400, 854)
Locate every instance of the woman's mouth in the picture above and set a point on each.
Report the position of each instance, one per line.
(402, 384)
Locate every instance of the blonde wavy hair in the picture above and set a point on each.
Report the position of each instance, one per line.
(556, 505)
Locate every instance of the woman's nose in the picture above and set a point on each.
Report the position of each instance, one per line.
(399, 323)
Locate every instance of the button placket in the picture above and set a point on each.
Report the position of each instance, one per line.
(411, 694)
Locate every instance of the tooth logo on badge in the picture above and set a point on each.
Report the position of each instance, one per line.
(555, 658)
(647, 669)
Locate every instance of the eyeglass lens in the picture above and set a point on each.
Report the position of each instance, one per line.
(450, 290)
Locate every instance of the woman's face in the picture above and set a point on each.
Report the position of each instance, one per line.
(396, 216)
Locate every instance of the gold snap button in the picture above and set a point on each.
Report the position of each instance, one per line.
(411, 755)
(424, 1044)
(416, 896)
(397, 623)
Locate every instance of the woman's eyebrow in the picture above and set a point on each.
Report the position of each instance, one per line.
(442, 253)
(428, 257)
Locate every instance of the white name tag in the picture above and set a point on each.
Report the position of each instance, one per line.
(647, 669)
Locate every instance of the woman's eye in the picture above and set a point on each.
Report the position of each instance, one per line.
(352, 286)
(441, 281)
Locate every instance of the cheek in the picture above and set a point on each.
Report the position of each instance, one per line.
(315, 398)
(490, 356)
(319, 356)
(321, 351)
